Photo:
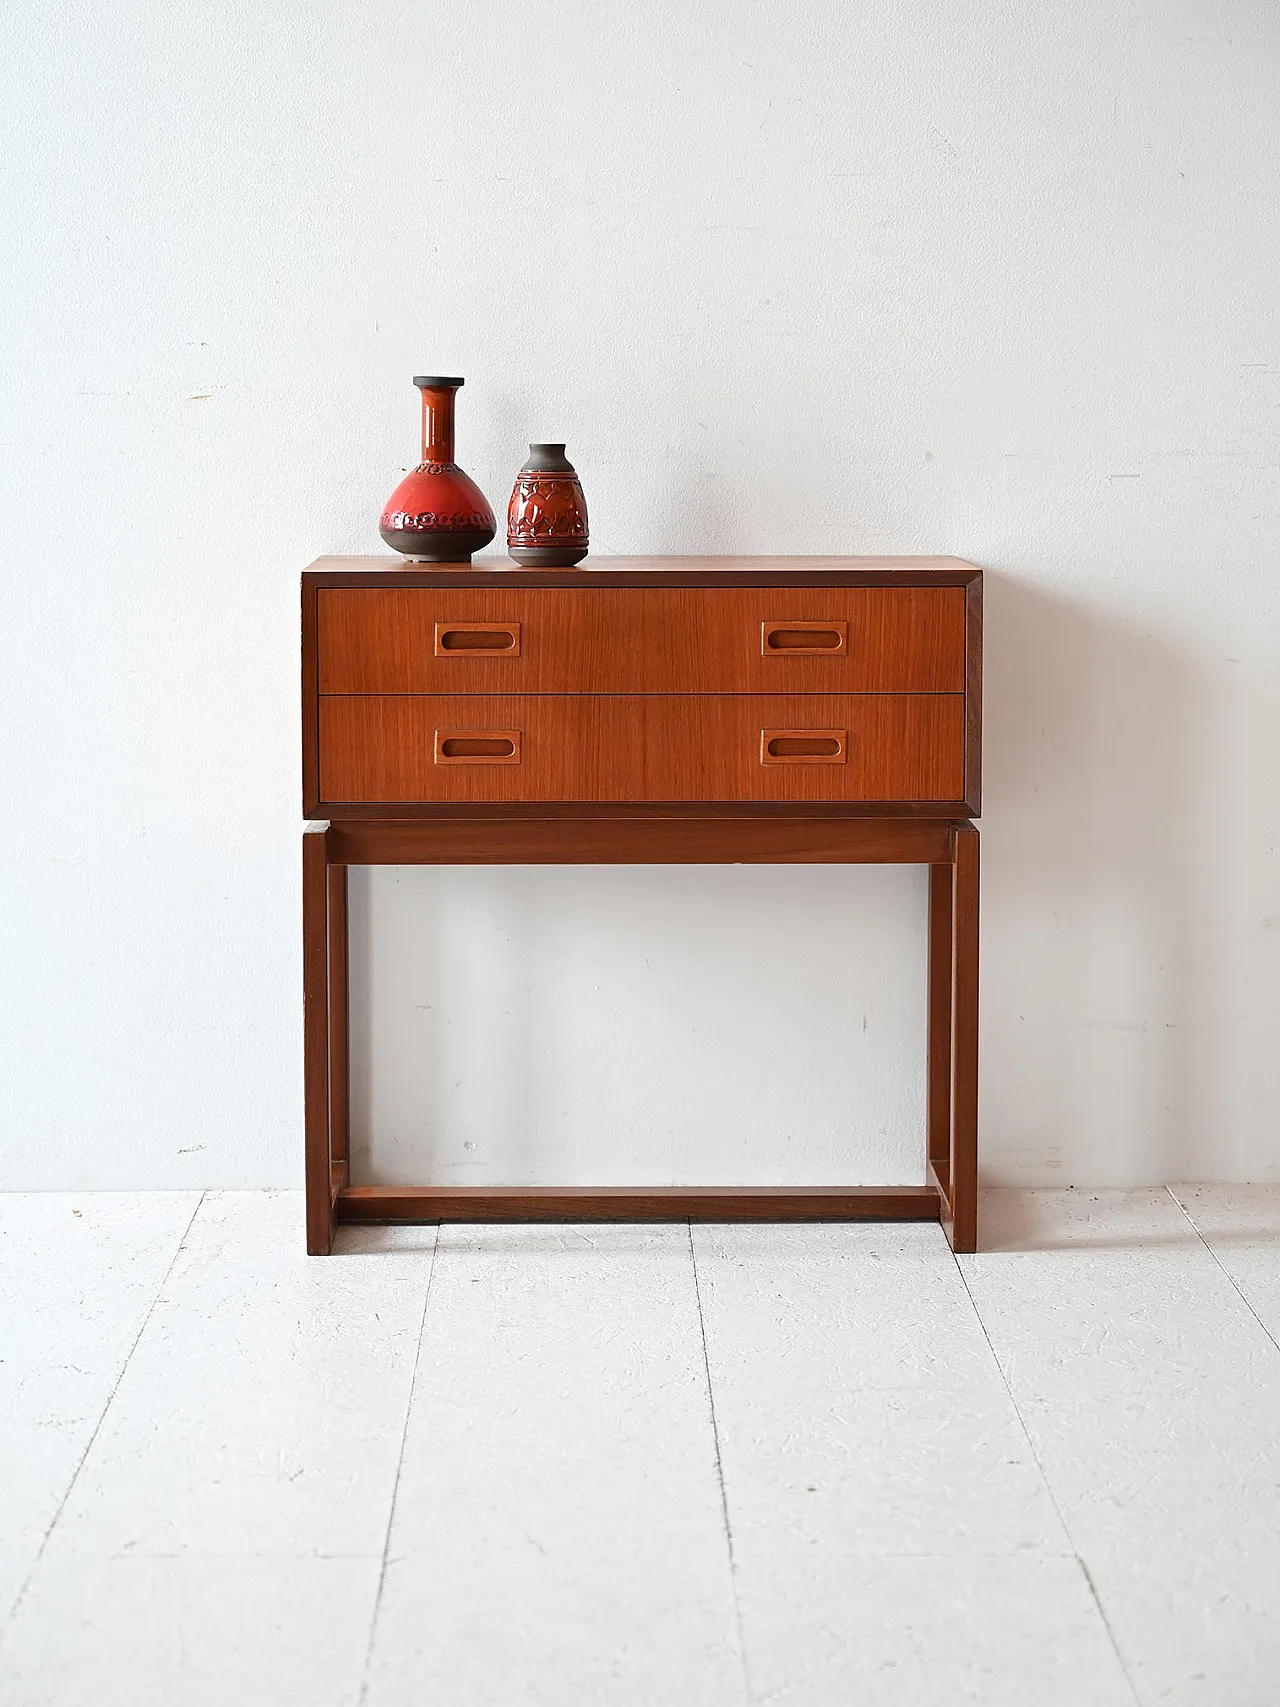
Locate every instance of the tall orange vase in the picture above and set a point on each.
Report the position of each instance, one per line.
(437, 514)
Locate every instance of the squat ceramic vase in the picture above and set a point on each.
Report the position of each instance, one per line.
(437, 514)
(547, 516)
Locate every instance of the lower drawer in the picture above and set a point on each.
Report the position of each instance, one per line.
(409, 749)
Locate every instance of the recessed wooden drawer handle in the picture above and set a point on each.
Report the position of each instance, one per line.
(486, 639)
(477, 747)
(777, 638)
(803, 746)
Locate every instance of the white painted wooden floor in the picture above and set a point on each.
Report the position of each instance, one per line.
(816, 1466)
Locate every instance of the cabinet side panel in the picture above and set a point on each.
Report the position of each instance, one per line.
(310, 705)
(973, 698)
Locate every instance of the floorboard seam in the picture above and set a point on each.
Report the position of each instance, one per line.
(724, 1497)
(1048, 1485)
(102, 1417)
(1183, 1210)
(395, 1486)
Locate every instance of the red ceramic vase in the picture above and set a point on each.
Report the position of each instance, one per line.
(437, 514)
(547, 516)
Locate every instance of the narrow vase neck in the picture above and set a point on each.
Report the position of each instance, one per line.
(437, 423)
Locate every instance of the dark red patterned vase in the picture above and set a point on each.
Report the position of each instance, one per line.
(437, 513)
(547, 516)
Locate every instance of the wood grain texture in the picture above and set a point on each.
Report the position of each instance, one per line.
(456, 744)
(973, 699)
(642, 747)
(601, 639)
(938, 1174)
(625, 718)
(826, 638)
(339, 1023)
(637, 1203)
(962, 1227)
(804, 746)
(375, 811)
(501, 639)
(842, 571)
(310, 703)
(581, 840)
(939, 1015)
(315, 1030)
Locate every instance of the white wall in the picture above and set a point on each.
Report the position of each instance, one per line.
(995, 279)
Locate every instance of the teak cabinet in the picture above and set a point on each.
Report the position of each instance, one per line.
(766, 709)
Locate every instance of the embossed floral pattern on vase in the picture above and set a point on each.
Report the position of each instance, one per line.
(547, 515)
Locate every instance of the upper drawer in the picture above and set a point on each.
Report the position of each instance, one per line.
(641, 640)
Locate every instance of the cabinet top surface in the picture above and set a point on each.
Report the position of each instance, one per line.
(647, 571)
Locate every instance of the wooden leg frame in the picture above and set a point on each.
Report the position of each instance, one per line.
(950, 849)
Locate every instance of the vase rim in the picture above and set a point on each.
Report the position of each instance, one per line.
(547, 459)
(435, 382)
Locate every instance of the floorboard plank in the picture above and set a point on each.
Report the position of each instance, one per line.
(558, 1533)
(78, 1274)
(240, 1483)
(881, 1491)
(1150, 1392)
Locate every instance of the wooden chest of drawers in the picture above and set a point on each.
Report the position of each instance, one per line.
(640, 684)
(650, 709)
